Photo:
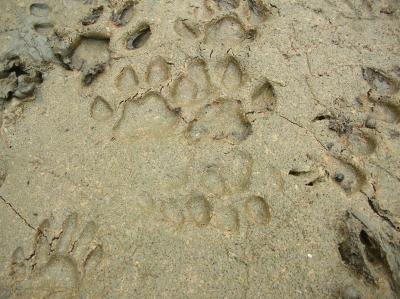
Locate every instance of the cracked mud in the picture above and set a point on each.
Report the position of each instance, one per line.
(201, 149)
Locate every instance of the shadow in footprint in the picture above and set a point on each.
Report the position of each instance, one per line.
(139, 38)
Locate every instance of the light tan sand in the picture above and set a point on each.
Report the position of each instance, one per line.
(200, 149)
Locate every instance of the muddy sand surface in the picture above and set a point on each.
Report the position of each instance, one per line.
(200, 149)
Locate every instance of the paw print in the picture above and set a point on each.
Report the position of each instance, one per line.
(215, 101)
(40, 18)
(140, 110)
(59, 264)
(380, 114)
(253, 11)
(382, 101)
(364, 9)
(147, 117)
(225, 180)
(224, 23)
(346, 172)
(220, 196)
(364, 138)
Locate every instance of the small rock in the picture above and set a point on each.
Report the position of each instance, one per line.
(370, 123)
(339, 177)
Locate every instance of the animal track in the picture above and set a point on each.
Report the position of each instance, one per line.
(59, 265)
(90, 56)
(100, 109)
(231, 22)
(222, 119)
(157, 103)
(264, 98)
(379, 104)
(219, 196)
(122, 14)
(157, 72)
(232, 76)
(258, 210)
(149, 116)
(193, 87)
(193, 93)
(379, 81)
(199, 210)
(253, 11)
(226, 31)
(381, 98)
(39, 9)
(126, 80)
(202, 211)
(361, 143)
(138, 38)
(348, 176)
(186, 28)
(211, 115)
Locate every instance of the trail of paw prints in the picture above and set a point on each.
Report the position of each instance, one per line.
(220, 197)
(362, 161)
(160, 99)
(60, 263)
(369, 240)
(381, 108)
(202, 103)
